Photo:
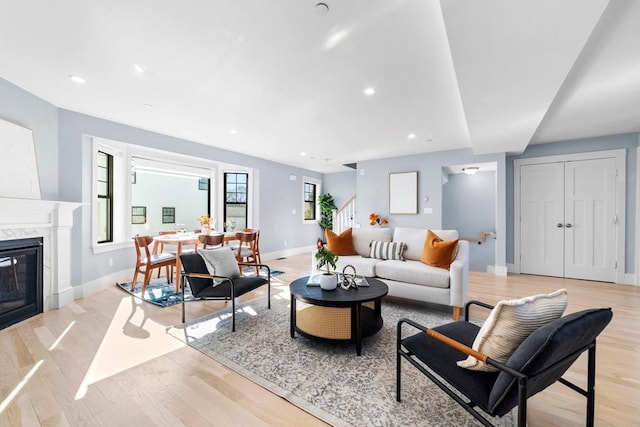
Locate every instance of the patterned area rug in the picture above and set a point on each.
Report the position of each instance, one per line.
(160, 293)
(328, 380)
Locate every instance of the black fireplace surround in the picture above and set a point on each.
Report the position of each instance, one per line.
(20, 280)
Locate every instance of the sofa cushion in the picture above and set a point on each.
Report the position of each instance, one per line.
(387, 250)
(364, 266)
(437, 252)
(414, 239)
(340, 244)
(413, 272)
(510, 322)
(362, 237)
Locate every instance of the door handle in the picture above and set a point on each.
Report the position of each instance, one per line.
(559, 225)
(568, 225)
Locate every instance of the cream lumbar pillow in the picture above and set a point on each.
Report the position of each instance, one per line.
(509, 323)
(220, 262)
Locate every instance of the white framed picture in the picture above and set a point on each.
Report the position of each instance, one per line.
(403, 193)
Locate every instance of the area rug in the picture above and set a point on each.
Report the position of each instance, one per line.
(163, 294)
(328, 380)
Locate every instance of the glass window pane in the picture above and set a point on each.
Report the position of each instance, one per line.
(103, 189)
(241, 178)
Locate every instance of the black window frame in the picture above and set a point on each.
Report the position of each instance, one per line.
(310, 197)
(168, 215)
(135, 215)
(227, 183)
(108, 196)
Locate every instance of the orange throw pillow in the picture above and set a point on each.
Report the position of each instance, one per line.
(340, 244)
(438, 252)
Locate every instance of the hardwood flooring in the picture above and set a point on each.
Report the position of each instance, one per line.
(106, 360)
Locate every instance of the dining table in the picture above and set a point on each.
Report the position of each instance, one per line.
(180, 240)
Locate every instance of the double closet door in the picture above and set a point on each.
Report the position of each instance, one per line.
(568, 219)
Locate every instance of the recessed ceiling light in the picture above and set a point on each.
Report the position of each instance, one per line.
(77, 79)
(148, 106)
(138, 68)
(369, 91)
(233, 131)
(303, 154)
(411, 135)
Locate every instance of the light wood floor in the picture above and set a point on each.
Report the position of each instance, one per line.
(106, 360)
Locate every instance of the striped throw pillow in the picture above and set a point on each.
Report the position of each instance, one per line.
(509, 323)
(387, 250)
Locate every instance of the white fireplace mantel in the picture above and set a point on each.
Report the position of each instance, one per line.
(51, 220)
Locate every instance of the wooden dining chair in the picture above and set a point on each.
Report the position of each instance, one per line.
(146, 262)
(161, 245)
(211, 240)
(246, 251)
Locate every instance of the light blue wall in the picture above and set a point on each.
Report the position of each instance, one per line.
(278, 195)
(29, 111)
(373, 190)
(469, 206)
(341, 186)
(627, 141)
(64, 165)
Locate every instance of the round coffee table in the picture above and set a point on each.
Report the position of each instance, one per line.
(338, 315)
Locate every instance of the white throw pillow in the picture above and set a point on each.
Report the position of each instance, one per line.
(387, 250)
(509, 323)
(220, 262)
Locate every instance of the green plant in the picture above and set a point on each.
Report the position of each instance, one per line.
(327, 206)
(326, 258)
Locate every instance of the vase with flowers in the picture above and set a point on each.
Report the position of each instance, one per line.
(375, 219)
(205, 221)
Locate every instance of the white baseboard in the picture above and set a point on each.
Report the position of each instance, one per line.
(498, 270)
(101, 283)
(629, 279)
(287, 252)
(511, 268)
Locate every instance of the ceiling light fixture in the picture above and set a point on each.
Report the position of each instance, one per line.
(138, 68)
(148, 105)
(369, 91)
(233, 131)
(411, 136)
(77, 79)
(470, 170)
(303, 154)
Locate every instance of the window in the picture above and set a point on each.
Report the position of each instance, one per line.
(203, 184)
(138, 214)
(168, 215)
(105, 197)
(235, 200)
(309, 201)
(311, 189)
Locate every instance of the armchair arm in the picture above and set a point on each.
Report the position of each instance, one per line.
(475, 302)
(456, 345)
(260, 266)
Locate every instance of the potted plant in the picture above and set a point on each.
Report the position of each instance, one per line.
(327, 206)
(326, 258)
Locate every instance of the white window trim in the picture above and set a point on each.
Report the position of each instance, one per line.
(251, 195)
(123, 153)
(318, 184)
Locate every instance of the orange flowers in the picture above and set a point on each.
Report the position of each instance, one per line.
(204, 220)
(375, 219)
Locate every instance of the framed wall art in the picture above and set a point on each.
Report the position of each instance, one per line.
(403, 193)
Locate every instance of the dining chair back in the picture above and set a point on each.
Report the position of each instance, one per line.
(211, 240)
(246, 250)
(257, 244)
(146, 262)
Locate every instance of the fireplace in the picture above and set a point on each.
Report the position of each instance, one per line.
(20, 280)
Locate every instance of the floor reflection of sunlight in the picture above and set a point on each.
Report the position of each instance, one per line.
(130, 340)
(56, 342)
(19, 386)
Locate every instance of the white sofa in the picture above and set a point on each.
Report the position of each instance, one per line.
(411, 278)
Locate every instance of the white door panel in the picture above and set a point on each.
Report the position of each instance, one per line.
(542, 206)
(590, 210)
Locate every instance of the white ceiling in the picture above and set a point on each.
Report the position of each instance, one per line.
(493, 75)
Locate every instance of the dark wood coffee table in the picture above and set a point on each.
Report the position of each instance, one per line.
(338, 315)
